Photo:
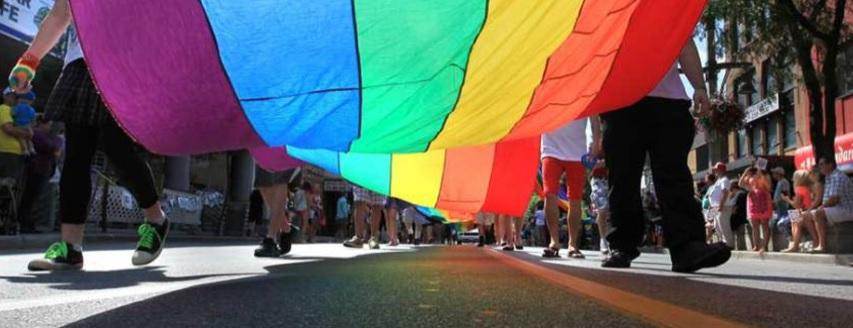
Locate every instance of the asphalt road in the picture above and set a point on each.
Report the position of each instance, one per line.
(322, 285)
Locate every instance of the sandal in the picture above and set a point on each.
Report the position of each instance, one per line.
(551, 252)
(576, 254)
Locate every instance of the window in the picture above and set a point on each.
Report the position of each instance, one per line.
(773, 136)
(755, 139)
(747, 100)
(790, 128)
(742, 144)
(768, 85)
(702, 158)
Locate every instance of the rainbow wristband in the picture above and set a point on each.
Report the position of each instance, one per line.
(24, 70)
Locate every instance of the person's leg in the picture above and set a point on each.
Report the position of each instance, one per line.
(625, 148)
(358, 217)
(601, 220)
(518, 227)
(723, 226)
(551, 173)
(274, 198)
(75, 191)
(575, 181)
(671, 134)
(375, 221)
(391, 222)
(819, 218)
(765, 231)
(796, 235)
(756, 235)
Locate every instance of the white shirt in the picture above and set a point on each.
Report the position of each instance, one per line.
(567, 143)
(73, 50)
(715, 193)
(671, 86)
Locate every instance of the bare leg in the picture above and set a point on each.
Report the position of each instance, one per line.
(765, 231)
(391, 221)
(154, 214)
(574, 224)
(275, 197)
(552, 213)
(375, 220)
(820, 228)
(72, 233)
(358, 216)
(796, 235)
(756, 235)
(518, 224)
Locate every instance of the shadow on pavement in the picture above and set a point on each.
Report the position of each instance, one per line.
(97, 280)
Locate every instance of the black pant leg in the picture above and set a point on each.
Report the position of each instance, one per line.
(75, 185)
(134, 172)
(36, 184)
(625, 152)
(673, 134)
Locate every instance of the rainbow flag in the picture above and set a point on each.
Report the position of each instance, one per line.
(438, 102)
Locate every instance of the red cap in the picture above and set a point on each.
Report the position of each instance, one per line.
(720, 166)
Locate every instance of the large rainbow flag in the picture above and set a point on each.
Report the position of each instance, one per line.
(438, 102)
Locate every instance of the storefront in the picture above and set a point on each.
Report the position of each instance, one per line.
(805, 160)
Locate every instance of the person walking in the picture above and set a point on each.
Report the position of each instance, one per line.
(273, 189)
(367, 203)
(562, 151)
(88, 126)
(342, 213)
(661, 127)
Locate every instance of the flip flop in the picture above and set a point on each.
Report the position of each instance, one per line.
(576, 254)
(551, 252)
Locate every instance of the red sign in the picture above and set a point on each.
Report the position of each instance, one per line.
(804, 158)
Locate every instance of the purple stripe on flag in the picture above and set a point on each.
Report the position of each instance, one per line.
(171, 63)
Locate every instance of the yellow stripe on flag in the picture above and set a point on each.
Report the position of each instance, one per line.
(417, 177)
(505, 66)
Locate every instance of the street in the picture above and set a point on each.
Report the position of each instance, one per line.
(326, 285)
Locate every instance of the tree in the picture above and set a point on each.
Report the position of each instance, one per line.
(788, 31)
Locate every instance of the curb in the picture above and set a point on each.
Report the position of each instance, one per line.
(28, 241)
(831, 259)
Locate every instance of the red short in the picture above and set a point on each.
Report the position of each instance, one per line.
(553, 169)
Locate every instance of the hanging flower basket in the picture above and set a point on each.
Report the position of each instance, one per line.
(725, 116)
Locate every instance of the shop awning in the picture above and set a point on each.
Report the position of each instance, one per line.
(804, 158)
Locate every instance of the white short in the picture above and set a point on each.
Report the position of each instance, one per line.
(837, 215)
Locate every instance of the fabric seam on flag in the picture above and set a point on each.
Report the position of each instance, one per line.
(461, 86)
(225, 72)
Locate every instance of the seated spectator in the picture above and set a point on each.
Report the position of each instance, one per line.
(801, 202)
(837, 205)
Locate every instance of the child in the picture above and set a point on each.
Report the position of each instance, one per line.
(759, 206)
(802, 201)
(24, 115)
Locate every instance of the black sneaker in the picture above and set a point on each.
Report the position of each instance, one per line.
(519, 247)
(620, 259)
(59, 256)
(285, 241)
(267, 249)
(481, 242)
(152, 238)
(698, 255)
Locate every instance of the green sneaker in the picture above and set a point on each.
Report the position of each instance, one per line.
(152, 238)
(59, 256)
